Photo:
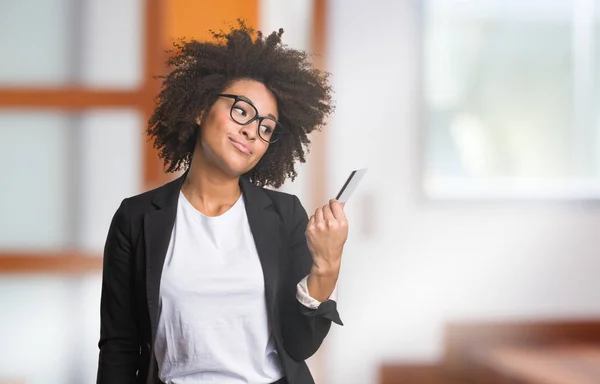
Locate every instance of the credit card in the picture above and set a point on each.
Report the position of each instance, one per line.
(350, 185)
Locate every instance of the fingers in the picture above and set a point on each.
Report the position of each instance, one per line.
(337, 209)
(323, 218)
(319, 217)
(328, 213)
(310, 227)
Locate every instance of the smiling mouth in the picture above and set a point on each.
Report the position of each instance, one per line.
(240, 147)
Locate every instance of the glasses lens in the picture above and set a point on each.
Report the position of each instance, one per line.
(242, 112)
(270, 130)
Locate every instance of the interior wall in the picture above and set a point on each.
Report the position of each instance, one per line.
(410, 265)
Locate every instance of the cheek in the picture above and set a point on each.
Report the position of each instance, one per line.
(223, 123)
(215, 128)
(261, 148)
(220, 125)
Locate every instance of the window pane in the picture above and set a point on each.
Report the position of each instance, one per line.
(111, 163)
(34, 39)
(35, 168)
(113, 47)
(64, 176)
(98, 43)
(50, 329)
(509, 95)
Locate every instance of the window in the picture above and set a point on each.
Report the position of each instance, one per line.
(75, 90)
(510, 96)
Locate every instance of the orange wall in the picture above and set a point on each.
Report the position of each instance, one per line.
(193, 18)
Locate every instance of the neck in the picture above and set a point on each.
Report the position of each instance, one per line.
(209, 189)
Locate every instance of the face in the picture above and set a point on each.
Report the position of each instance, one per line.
(231, 147)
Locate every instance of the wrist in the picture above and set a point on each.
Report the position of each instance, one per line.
(321, 284)
(325, 272)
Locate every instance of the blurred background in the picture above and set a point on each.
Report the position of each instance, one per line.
(472, 254)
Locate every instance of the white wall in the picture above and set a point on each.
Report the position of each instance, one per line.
(426, 263)
(295, 17)
(296, 20)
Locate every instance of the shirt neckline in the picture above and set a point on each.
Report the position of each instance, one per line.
(234, 208)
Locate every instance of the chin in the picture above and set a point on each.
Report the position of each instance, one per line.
(237, 168)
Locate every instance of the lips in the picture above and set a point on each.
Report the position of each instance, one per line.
(240, 147)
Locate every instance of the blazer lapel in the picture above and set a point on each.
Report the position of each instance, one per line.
(265, 227)
(158, 226)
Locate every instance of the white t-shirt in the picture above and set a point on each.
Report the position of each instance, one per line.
(213, 325)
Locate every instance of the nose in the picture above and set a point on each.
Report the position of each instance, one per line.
(250, 131)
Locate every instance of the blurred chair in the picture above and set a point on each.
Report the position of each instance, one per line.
(566, 352)
(414, 374)
(544, 352)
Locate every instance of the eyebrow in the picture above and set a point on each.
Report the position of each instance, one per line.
(252, 103)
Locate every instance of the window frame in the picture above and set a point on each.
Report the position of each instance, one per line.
(75, 99)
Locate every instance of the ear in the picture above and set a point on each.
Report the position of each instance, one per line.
(199, 118)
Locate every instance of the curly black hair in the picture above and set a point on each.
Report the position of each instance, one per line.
(202, 70)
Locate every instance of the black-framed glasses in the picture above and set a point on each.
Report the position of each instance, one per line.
(244, 112)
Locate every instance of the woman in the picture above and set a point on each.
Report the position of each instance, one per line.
(212, 278)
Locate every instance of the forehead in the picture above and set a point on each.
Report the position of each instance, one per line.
(262, 98)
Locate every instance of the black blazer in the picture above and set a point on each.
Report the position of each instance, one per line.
(134, 254)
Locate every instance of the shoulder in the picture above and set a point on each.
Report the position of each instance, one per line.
(279, 197)
(148, 201)
(287, 205)
(143, 199)
(282, 199)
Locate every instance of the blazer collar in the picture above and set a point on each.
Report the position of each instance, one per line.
(168, 194)
(158, 226)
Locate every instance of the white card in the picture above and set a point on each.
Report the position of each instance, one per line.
(350, 185)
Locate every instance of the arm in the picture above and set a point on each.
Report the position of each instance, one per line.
(304, 329)
(119, 339)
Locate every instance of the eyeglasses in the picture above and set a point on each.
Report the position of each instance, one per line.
(244, 112)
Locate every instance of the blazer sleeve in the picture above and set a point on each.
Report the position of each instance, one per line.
(304, 329)
(119, 336)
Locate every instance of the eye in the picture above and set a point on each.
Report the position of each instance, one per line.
(266, 129)
(239, 111)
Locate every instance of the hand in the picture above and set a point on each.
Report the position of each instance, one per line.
(326, 234)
